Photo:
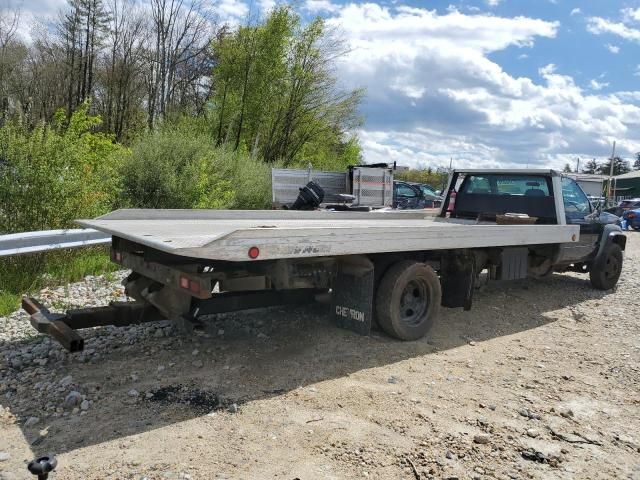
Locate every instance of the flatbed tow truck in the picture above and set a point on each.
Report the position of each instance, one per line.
(393, 269)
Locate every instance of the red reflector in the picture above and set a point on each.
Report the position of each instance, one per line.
(254, 252)
(184, 282)
(118, 257)
(194, 286)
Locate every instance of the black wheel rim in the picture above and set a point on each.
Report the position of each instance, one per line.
(414, 302)
(611, 267)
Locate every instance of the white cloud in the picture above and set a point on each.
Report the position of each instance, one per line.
(599, 26)
(493, 3)
(40, 7)
(231, 11)
(613, 48)
(266, 5)
(631, 14)
(628, 28)
(575, 11)
(596, 85)
(34, 15)
(320, 6)
(434, 93)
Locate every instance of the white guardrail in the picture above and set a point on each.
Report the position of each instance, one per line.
(46, 240)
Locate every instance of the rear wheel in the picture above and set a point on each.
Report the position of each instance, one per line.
(408, 300)
(604, 273)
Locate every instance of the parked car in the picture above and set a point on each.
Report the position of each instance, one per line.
(432, 197)
(633, 218)
(624, 205)
(409, 195)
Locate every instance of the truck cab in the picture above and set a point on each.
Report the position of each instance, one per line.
(543, 197)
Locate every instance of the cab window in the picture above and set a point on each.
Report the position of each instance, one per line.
(576, 203)
(525, 185)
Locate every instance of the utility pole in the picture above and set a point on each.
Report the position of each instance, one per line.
(613, 154)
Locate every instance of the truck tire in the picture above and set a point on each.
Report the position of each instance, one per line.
(604, 273)
(408, 300)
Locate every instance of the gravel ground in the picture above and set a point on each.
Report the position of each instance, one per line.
(540, 380)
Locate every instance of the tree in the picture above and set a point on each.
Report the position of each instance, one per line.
(121, 94)
(81, 31)
(636, 163)
(591, 167)
(567, 168)
(620, 166)
(9, 55)
(277, 95)
(179, 57)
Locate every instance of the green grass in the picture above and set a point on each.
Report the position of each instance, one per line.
(26, 274)
(9, 302)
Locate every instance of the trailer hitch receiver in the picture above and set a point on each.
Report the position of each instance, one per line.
(52, 324)
(63, 327)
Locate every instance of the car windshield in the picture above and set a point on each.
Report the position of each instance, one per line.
(427, 190)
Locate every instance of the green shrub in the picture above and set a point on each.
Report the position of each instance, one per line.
(51, 175)
(179, 167)
(251, 179)
(173, 168)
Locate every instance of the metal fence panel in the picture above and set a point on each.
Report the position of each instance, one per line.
(46, 240)
(286, 184)
(371, 186)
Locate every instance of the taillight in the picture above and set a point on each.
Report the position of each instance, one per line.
(631, 215)
(194, 287)
(188, 284)
(254, 252)
(452, 201)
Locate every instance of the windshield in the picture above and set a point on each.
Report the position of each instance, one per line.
(427, 190)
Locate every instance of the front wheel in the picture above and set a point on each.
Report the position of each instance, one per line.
(408, 300)
(604, 273)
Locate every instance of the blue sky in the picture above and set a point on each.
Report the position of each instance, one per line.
(489, 83)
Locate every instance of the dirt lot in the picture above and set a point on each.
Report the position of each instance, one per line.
(540, 380)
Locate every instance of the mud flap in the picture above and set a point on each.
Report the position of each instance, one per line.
(457, 279)
(352, 298)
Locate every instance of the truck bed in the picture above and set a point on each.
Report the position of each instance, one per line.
(228, 235)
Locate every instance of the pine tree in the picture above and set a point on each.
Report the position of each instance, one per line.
(82, 30)
(620, 166)
(591, 167)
